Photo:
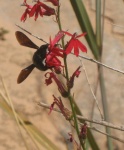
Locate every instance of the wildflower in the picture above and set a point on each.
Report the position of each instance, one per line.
(75, 44)
(75, 74)
(66, 113)
(52, 60)
(54, 2)
(46, 12)
(41, 9)
(27, 11)
(61, 88)
(48, 9)
(54, 52)
(38, 9)
(57, 38)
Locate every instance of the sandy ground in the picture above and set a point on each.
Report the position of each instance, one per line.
(25, 96)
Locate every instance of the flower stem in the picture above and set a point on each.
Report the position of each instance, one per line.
(63, 45)
(75, 120)
(67, 78)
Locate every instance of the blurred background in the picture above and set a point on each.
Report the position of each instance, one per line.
(25, 96)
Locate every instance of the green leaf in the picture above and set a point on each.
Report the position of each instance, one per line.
(85, 25)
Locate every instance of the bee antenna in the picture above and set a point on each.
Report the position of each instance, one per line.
(31, 34)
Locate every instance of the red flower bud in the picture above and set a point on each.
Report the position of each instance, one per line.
(83, 132)
(70, 84)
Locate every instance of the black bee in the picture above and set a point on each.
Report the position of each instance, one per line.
(38, 57)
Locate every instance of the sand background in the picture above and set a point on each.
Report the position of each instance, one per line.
(25, 96)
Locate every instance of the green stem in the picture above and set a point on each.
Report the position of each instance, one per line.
(75, 120)
(99, 40)
(91, 139)
(85, 25)
(63, 45)
(98, 24)
(67, 77)
(105, 107)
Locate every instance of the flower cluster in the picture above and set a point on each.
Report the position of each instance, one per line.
(50, 56)
(53, 61)
(38, 9)
(55, 51)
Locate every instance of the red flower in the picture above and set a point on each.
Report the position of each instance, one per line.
(41, 9)
(57, 38)
(48, 9)
(61, 88)
(27, 11)
(54, 52)
(54, 2)
(75, 74)
(46, 13)
(52, 60)
(38, 9)
(75, 44)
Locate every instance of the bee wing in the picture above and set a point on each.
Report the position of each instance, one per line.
(25, 73)
(24, 40)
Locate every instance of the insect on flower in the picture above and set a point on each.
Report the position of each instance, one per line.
(45, 57)
(38, 57)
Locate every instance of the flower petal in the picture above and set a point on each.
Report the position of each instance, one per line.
(33, 10)
(24, 15)
(69, 47)
(76, 49)
(67, 33)
(49, 10)
(59, 35)
(82, 46)
(83, 34)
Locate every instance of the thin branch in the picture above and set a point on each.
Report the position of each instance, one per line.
(119, 26)
(90, 59)
(95, 92)
(111, 136)
(99, 63)
(104, 123)
(31, 34)
(92, 90)
(93, 128)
